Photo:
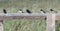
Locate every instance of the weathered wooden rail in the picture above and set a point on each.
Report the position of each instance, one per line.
(50, 21)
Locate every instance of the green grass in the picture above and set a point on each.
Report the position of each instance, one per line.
(58, 26)
(24, 25)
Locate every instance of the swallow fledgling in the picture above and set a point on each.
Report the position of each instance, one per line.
(28, 11)
(4, 11)
(20, 11)
(42, 11)
(52, 11)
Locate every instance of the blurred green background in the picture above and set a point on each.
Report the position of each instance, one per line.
(13, 6)
(33, 5)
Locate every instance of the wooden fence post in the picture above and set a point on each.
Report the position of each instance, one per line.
(1, 23)
(1, 26)
(50, 22)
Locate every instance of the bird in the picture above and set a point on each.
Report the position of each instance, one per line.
(20, 11)
(4, 11)
(42, 11)
(52, 11)
(28, 11)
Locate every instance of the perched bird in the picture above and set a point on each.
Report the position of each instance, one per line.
(4, 11)
(28, 11)
(42, 11)
(20, 11)
(52, 11)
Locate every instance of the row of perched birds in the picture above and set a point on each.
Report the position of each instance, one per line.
(20, 11)
(28, 11)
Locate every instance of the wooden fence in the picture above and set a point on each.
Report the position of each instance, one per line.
(50, 21)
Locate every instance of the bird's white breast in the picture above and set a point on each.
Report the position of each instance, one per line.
(20, 11)
(41, 12)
